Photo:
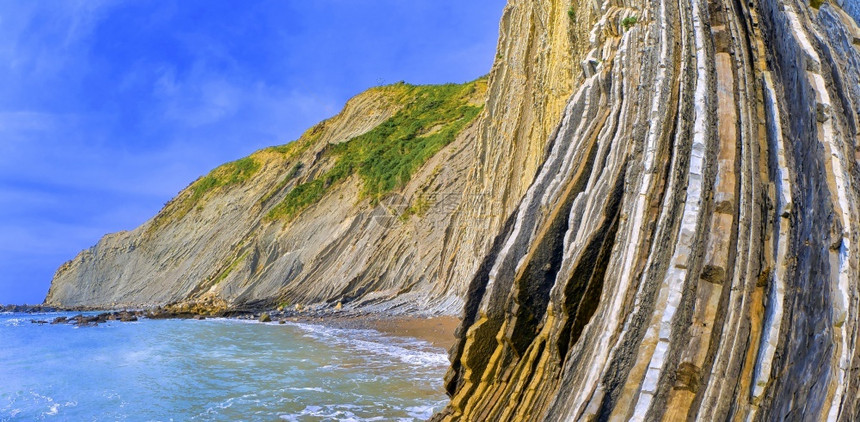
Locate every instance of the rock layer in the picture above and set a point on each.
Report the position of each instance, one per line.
(689, 246)
(217, 245)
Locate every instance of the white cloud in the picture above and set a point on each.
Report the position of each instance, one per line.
(45, 38)
(200, 100)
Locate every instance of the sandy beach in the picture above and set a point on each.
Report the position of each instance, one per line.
(438, 331)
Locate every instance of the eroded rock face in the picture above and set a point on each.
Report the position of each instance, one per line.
(537, 67)
(689, 247)
(220, 243)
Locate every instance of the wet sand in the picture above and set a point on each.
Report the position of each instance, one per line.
(438, 331)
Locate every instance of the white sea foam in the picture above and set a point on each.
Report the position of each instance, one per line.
(15, 322)
(408, 350)
(341, 372)
(217, 409)
(422, 412)
(340, 413)
(55, 408)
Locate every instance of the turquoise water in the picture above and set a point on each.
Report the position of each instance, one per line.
(213, 370)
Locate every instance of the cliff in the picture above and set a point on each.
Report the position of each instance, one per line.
(353, 212)
(689, 247)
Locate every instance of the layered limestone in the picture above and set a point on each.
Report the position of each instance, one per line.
(306, 223)
(540, 61)
(688, 249)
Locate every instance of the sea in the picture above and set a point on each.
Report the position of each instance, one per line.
(213, 370)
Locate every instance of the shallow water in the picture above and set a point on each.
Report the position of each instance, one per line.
(213, 370)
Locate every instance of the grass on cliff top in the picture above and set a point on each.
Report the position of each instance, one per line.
(232, 173)
(228, 174)
(387, 156)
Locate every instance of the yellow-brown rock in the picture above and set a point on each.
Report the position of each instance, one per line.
(688, 249)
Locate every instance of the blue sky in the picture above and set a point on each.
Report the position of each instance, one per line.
(109, 108)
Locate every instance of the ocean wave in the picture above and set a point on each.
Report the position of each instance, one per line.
(423, 412)
(34, 404)
(218, 408)
(408, 350)
(340, 413)
(316, 389)
(15, 322)
(345, 373)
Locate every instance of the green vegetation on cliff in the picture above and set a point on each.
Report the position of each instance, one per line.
(226, 175)
(629, 21)
(387, 156)
(229, 174)
(231, 267)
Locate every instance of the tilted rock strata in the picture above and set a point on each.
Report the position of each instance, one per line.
(537, 67)
(219, 249)
(689, 247)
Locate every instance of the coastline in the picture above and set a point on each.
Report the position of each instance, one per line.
(306, 368)
(436, 330)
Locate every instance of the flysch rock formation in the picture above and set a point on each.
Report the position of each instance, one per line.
(217, 246)
(689, 247)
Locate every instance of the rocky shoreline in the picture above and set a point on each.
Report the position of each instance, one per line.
(84, 320)
(436, 329)
(28, 309)
(165, 313)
